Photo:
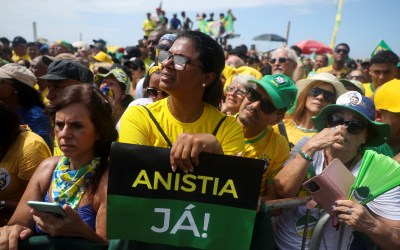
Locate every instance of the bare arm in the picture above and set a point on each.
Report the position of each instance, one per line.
(73, 225)
(21, 223)
(289, 180)
(383, 232)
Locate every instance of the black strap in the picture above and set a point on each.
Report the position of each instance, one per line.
(165, 136)
(282, 131)
(218, 125)
(159, 127)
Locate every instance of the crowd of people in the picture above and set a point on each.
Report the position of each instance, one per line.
(63, 104)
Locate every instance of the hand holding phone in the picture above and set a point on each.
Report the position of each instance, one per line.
(48, 207)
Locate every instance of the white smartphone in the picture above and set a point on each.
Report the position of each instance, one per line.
(48, 207)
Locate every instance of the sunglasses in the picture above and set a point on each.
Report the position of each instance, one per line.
(328, 96)
(344, 51)
(152, 92)
(234, 90)
(280, 60)
(266, 106)
(179, 60)
(354, 126)
(359, 77)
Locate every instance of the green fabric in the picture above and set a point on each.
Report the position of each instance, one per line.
(385, 149)
(263, 233)
(367, 186)
(46, 242)
(197, 233)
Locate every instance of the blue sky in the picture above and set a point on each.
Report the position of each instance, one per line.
(364, 22)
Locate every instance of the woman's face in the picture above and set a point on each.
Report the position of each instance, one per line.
(314, 104)
(235, 94)
(75, 132)
(356, 129)
(114, 85)
(7, 91)
(187, 82)
(155, 93)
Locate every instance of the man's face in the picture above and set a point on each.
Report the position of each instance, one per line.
(393, 120)
(56, 86)
(19, 49)
(38, 67)
(281, 63)
(58, 49)
(152, 41)
(320, 61)
(381, 73)
(251, 115)
(341, 54)
(33, 51)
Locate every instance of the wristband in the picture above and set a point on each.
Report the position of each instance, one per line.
(305, 156)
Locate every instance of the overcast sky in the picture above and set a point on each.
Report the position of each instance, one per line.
(364, 22)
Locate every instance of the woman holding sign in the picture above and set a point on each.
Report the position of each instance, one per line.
(346, 129)
(83, 126)
(186, 119)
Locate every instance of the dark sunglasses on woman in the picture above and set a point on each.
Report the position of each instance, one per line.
(266, 106)
(353, 126)
(152, 92)
(328, 96)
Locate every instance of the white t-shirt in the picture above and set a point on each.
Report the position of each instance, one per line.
(290, 224)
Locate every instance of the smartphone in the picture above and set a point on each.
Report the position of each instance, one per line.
(334, 183)
(48, 207)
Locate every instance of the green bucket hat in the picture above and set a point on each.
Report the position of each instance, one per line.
(361, 105)
(118, 74)
(280, 88)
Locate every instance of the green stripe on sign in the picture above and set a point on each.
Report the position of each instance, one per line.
(179, 223)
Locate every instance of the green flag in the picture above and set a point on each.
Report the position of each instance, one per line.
(213, 207)
(382, 46)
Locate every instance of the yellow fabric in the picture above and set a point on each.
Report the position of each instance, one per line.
(56, 150)
(229, 72)
(273, 149)
(18, 165)
(329, 69)
(138, 128)
(43, 94)
(148, 26)
(16, 58)
(368, 89)
(294, 134)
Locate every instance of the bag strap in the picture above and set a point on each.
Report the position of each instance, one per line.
(282, 131)
(219, 125)
(158, 127)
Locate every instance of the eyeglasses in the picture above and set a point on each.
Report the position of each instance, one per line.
(153, 92)
(359, 77)
(266, 106)
(179, 60)
(354, 126)
(328, 96)
(234, 90)
(280, 60)
(344, 51)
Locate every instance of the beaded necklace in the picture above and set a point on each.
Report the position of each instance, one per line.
(307, 130)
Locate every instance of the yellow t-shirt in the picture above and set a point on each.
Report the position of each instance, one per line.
(369, 89)
(294, 134)
(270, 147)
(16, 58)
(329, 69)
(138, 128)
(43, 94)
(18, 165)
